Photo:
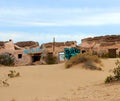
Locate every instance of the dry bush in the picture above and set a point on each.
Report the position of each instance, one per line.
(116, 72)
(13, 74)
(4, 83)
(51, 59)
(7, 59)
(88, 60)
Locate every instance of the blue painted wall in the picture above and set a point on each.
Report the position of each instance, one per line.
(69, 52)
(32, 50)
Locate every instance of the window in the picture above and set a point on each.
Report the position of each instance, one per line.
(19, 56)
(83, 51)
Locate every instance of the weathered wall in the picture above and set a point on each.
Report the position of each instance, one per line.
(9, 45)
(101, 44)
(58, 46)
(25, 59)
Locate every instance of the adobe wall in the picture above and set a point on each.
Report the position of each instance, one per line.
(59, 46)
(101, 44)
(9, 45)
(25, 59)
(56, 48)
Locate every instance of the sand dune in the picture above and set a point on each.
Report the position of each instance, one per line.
(55, 83)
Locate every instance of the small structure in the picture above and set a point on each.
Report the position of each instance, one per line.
(29, 52)
(109, 44)
(57, 48)
(18, 52)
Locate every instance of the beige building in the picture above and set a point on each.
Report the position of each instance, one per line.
(103, 44)
(19, 53)
(29, 52)
(57, 48)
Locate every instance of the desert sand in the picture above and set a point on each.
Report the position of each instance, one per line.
(55, 83)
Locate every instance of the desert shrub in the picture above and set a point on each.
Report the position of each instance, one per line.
(116, 72)
(51, 59)
(88, 60)
(91, 65)
(4, 83)
(109, 79)
(7, 59)
(13, 74)
(104, 55)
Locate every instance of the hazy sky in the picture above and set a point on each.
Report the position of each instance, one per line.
(41, 20)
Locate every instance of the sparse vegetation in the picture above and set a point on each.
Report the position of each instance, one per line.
(7, 59)
(116, 72)
(88, 60)
(4, 83)
(13, 74)
(51, 59)
(104, 55)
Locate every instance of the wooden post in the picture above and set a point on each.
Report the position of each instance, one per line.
(53, 44)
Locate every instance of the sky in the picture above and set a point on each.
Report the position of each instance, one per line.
(66, 20)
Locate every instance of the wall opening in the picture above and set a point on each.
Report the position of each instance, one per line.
(19, 56)
(112, 53)
(36, 58)
(61, 56)
(83, 51)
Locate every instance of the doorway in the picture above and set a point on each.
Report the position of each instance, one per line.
(112, 53)
(61, 56)
(36, 58)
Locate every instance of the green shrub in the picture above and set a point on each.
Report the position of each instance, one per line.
(116, 72)
(88, 60)
(7, 59)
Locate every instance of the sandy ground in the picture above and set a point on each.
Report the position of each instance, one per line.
(55, 83)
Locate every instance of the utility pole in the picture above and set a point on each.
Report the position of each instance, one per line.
(54, 44)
